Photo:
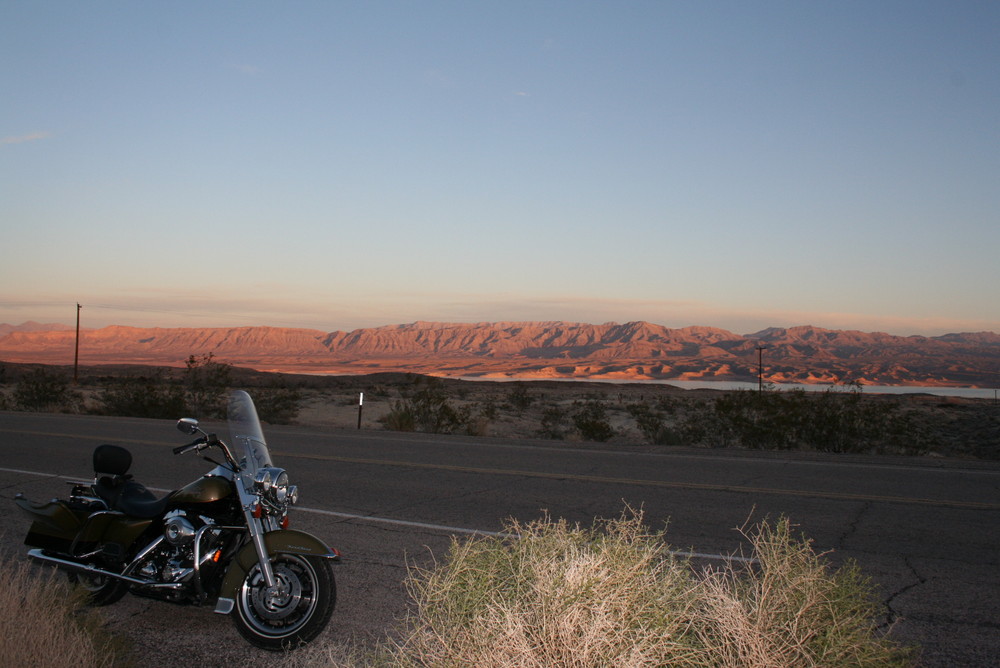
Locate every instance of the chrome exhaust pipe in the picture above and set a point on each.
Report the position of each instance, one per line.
(66, 564)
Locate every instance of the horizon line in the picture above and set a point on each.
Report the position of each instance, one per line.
(61, 326)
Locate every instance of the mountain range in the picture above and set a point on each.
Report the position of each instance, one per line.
(629, 351)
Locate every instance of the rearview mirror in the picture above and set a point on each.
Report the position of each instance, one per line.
(188, 426)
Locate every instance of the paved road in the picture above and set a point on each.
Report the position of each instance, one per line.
(926, 531)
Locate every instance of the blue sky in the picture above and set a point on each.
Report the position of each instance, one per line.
(352, 164)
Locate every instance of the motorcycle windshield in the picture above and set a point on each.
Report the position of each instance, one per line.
(245, 433)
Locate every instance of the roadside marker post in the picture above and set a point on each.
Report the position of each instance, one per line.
(361, 405)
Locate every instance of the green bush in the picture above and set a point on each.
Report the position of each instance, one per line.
(518, 398)
(202, 392)
(653, 425)
(142, 396)
(206, 386)
(277, 405)
(427, 410)
(400, 417)
(830, 421)
(42, 390)
(554, 422)
(591, 419)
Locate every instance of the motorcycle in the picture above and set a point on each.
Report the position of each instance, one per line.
(222, 540)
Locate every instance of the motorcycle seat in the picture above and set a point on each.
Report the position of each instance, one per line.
(117, 488)
(130, 497)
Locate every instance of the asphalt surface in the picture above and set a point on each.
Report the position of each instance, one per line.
(927, 531)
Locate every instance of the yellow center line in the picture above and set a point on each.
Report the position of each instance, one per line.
(844, 496)
(84, 437)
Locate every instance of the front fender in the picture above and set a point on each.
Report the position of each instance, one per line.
(282, 541)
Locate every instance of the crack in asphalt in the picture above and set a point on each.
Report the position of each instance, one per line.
(892, 615)
(852, 526)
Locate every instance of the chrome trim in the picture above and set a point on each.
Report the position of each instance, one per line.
(91, 499)
(224, 606)
(249, 501)
(197, 552)
(39, 555)
(134, 564)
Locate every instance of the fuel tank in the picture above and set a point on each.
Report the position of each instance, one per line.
(203, 490)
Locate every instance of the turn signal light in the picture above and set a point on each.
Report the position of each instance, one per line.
(217, 556)
(258, 511)
(285, 522)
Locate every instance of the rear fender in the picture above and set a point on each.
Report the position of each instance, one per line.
(282, 541)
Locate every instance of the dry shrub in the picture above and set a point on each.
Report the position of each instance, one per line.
(789, 608)
(45, 623)
(558, 595)
(614, 595)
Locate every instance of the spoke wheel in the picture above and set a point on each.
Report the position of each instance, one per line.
(291, 613)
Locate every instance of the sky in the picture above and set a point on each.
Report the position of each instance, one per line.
(338, 165)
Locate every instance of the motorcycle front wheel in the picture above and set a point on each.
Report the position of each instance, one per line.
(291, 613)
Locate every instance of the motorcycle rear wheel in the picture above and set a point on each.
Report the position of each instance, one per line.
(99, 590)
(295, 612)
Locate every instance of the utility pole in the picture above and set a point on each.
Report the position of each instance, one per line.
(76, 353)
(760, 368)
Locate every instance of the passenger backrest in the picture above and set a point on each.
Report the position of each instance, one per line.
(112, 460)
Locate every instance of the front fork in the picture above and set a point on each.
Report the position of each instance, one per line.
(257, 526)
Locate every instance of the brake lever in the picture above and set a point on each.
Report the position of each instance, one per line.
(180, 449)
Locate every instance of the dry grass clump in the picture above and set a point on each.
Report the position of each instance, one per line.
(791, 609)
(613, 595)
(45, 623)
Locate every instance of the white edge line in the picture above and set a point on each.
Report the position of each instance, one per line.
(416, 525)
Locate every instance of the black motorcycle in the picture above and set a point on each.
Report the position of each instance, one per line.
(221, 540)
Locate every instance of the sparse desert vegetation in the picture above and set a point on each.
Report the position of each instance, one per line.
(846, 419)
(45, 623)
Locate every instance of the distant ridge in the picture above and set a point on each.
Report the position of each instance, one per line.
(630, 351)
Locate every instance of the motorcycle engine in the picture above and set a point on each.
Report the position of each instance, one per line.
(173, 560)
(178, 530)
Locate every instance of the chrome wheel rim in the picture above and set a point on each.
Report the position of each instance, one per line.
(282, 610)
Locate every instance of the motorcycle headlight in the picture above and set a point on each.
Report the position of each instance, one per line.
(263, 480)
(272, 486)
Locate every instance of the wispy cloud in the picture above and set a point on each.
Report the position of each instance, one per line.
(21, 139)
